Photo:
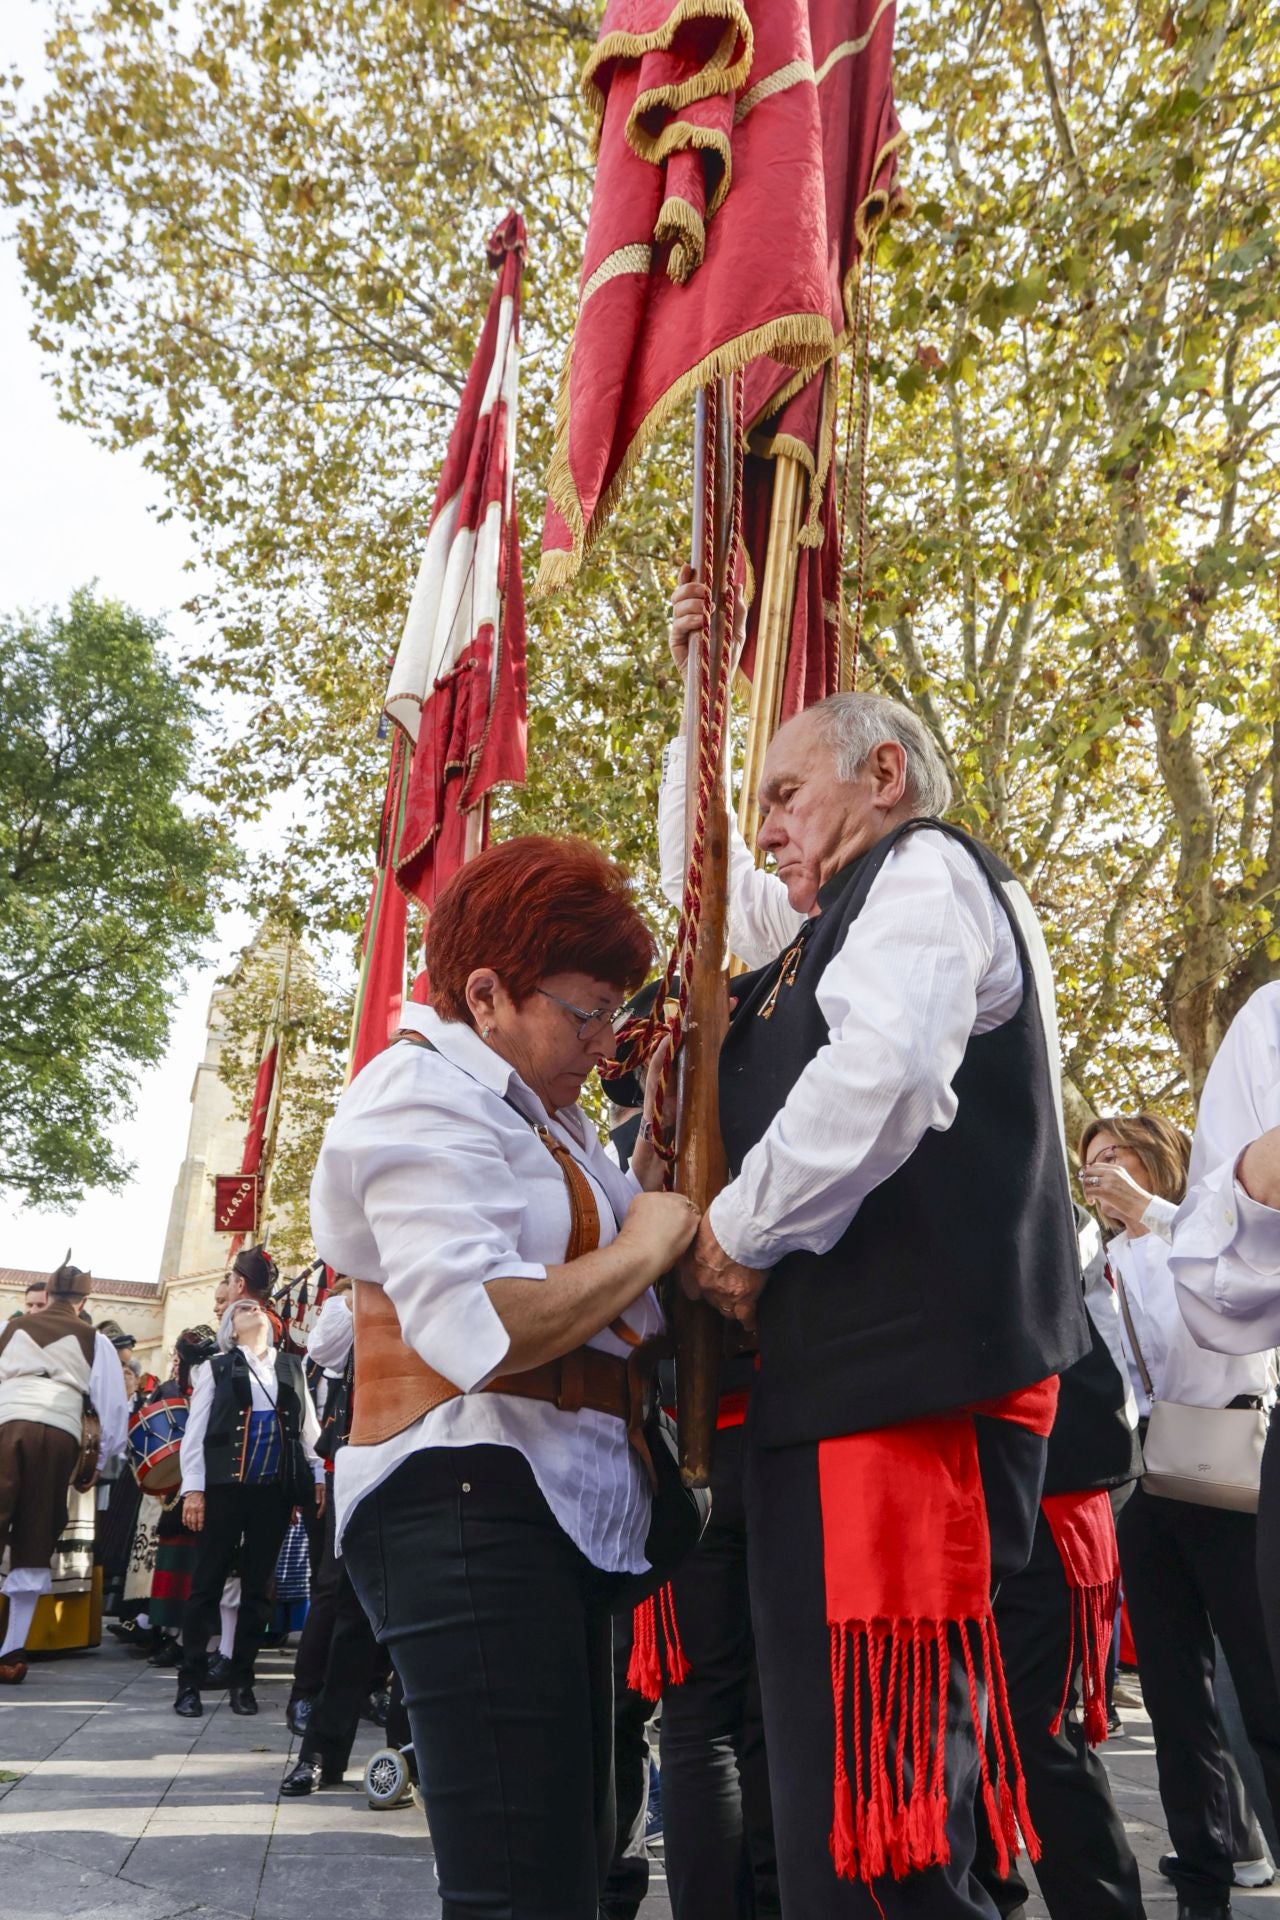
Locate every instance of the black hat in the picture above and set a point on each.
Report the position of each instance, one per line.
(623, 1083)
(116, 1334)
(195, 1344)
(257, 1269)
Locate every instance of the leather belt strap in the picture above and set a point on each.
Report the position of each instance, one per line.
(394, 1386)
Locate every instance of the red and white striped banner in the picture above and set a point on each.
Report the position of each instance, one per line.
(457, 687)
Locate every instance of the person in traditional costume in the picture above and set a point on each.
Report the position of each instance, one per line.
(693, 1647)
(1055, 1621)
(177, 1547)
(52, 1366)
(248, 1459)
(899, 1225)
(491, 1501)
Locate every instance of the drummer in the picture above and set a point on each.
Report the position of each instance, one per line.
(176, 1545)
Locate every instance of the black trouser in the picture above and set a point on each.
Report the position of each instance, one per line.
(788, 1607)
(1190, 1572)
(500, 1631)
(244, 1525)
(1086, 1870)
(317, 1630)
(1268, 1554)
(348, 1675)
(627, 1881)
(716, 1820)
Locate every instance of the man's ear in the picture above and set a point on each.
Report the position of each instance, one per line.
(888, 764)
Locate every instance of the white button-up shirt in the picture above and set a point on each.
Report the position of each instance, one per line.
(1180, 1370)
(1226, 1245)
(432, 1182)
(263, 1392)
(930, 961)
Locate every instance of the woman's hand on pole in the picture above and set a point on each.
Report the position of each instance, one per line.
(657, 1229)
(646, 1163)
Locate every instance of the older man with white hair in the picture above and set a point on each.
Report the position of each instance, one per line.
(899, 1223)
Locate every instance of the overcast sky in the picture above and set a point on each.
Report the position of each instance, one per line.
(72, 513)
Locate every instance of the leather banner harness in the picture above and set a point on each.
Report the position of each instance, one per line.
(394, 1386)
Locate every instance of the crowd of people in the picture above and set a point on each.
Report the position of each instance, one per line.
(969, 1421)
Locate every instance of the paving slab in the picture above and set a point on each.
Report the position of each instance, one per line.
(123, 1812)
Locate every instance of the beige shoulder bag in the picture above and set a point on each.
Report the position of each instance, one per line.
(1211, 1456)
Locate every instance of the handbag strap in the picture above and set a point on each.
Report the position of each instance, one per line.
(1117, 1281)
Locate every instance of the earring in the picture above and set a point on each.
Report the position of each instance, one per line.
(485, 1032)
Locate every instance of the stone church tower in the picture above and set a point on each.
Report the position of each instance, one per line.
(194, 1256)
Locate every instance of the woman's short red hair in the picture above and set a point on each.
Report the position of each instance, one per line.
(533, 907)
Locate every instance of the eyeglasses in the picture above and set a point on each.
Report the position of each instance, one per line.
(589, 1022)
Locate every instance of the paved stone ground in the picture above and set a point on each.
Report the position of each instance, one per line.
(112, 1809)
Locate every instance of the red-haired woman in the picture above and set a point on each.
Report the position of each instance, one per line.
(489, 1499)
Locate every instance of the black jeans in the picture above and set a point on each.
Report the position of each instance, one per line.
(1190, 1572)
(500, 1631)
(788, 1607)
(1086, 1870)
(1268, 1551)
(716, 1818)
(245, 1526)
(345, 1682)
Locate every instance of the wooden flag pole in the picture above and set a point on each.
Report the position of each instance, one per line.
(701, 1169)
(773, 634)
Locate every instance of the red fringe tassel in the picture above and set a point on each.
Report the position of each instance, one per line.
(892, 1816)
(657, 1658)
(1093, 1618)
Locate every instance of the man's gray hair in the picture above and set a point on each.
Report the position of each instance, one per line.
(853, 724)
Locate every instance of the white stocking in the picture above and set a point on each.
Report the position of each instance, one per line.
(22, 1608)
(226, 1645)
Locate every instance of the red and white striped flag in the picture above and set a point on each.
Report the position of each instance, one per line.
(266, 1099)
(458, 683)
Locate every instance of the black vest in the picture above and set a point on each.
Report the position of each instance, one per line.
(959, 1277)
(226, 1436)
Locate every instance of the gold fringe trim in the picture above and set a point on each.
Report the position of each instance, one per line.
(635, 258)
(681, 136)
(678, 222)
(806, 339)
(716, 77)
(796, 72)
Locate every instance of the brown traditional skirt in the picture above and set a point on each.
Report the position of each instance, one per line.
(36, 1465)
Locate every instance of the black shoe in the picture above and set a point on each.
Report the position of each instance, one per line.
(188, 1705)
(297, 1716)
(130, 1634)
(167, 1654)
(242, 1700)
(218, 1672)
(1196, 1908)
(308, 1777)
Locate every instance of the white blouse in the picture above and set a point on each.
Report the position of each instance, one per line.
(1226, 1245)
(1180, 1370)
(431, 1185)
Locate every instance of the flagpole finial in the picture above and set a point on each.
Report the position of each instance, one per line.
(509, 236)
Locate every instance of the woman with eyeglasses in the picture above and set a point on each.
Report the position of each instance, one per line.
(490, 1502)
(1188, 1570)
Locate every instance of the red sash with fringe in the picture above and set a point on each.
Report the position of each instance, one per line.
(907, 1559)
(1084, 1532)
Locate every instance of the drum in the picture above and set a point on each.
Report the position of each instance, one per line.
(155, 1435)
